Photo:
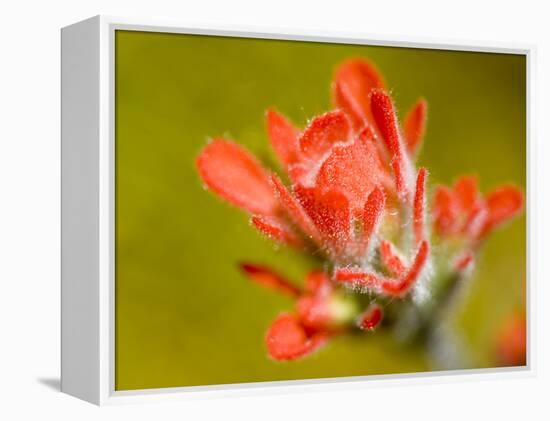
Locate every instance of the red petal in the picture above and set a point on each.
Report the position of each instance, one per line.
(371, 318)
(353, 82)
(233, 173)
(270, 279)
(330, 213)
(415, 126)
(391, 259)
(323, 132)
(444, 211)
(467, 193)
(419, 205)
(403, 285)
(295, 210)
(357, 277)
(276, 230)
(384, 116)
(283, 137)
(372, 215)
(286, 339)
(504, 203)
(353, 169)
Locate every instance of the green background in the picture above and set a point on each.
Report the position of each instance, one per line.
(184, 314)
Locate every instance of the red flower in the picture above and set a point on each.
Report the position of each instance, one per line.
(320, 313)
(352, 187)
(462, 211)
(341, 168)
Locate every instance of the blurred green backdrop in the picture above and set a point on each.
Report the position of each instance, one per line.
(184, 314)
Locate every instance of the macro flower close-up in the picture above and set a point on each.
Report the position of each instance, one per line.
(391, 249)
(290, 210)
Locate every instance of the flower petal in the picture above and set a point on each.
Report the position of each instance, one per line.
(357, 277)
(402, 286)
(467, 193)
(268, 278)
(276, 230)
(353, 169)
(330, 212)
(384, 115)
(295, 210)
(372, 215)
(283, 137)
(444, 211)
(504, 203)
(371, 318)
(234, 173)
(391, 259)
(472, 206)
(286, 339)
(353, 82)
(323, 132)
(415, 126)
(419, 206)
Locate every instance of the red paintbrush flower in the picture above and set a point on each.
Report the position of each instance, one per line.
(352, 187)
(462, 211)
(341, 168)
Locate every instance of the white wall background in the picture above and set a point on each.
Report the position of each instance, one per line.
(29, 207)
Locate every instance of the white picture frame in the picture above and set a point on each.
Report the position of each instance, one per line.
(88, 212)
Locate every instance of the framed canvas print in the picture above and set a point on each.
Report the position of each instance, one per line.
(244, 210)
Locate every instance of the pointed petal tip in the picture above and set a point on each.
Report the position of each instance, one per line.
(503, 204)
(371, 318)
(277, 230)
(467, 193)
(323, 132)
(384, 115)
(415, 124)
(353, 81)
(270, 279)
(283, 136)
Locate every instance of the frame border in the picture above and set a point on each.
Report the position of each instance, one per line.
(107, 393)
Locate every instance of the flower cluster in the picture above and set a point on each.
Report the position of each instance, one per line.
(356, 200)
